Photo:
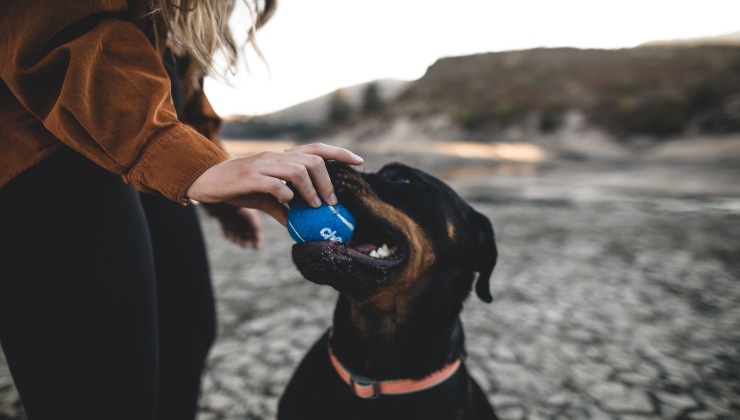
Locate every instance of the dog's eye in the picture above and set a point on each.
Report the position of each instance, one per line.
(396, 176)
(399, 179)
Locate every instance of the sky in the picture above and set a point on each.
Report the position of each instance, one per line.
(313, 47)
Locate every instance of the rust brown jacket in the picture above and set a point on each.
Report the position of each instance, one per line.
(89, 75)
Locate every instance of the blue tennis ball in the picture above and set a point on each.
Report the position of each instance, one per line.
(333, 223)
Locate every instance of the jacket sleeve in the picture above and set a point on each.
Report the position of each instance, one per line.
(94, 80)
(200, 115)
(197, 110)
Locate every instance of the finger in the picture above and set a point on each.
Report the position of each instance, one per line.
(277, 211)
(258, 236)
(329, 152)
(319, 182)
(322, 183)
(295, 171)
(274, 186)
(248, 244)
(265, 203)
(247, 236)
(257, 231)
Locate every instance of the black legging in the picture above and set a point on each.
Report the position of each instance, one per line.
(106, 307)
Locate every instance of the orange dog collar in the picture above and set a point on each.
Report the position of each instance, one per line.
(369, 388)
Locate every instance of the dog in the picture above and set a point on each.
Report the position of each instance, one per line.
(396, 347)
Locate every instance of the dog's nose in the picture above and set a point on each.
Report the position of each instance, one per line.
(335, 168)
(331, 163)
(344, 177)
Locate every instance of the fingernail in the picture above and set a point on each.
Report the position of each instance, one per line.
(333, 199)
(316, 202)
(357, 158)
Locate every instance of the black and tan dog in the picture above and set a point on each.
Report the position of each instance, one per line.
(396, 348)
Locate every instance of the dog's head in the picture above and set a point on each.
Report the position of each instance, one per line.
(414, 237)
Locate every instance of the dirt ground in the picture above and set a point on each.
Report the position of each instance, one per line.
(617, 294)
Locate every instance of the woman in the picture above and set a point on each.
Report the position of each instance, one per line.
(106, 309)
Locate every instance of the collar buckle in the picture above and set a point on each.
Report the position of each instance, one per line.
(364, 387)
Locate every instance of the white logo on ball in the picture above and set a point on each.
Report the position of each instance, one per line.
(330, 235)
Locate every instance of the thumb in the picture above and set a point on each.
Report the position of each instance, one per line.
(265, 203)
(277, 211)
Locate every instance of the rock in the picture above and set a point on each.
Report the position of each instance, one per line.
(632, 378)
(617, 358)
(585, 374)
(218, 402)
(616, 397)
(679, 401)
(594, 413)
(503, 353)
(510, 413)
(579, 335)
(702, 415)
(561, 399)
(501, 400)
(648, 370)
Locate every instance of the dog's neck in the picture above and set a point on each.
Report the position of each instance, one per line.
(379, 346)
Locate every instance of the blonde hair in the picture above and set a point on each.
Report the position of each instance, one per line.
(200, 28)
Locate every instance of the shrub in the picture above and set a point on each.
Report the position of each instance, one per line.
(470, 119)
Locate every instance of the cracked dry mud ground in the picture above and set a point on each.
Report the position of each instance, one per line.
(619, 307)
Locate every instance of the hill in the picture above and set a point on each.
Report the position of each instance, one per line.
(648, 92)
(655, 91)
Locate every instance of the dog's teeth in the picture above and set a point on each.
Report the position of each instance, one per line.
(383, 251)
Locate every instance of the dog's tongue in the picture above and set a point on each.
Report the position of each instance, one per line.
(366, 248)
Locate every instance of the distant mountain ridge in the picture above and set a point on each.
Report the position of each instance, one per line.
(314, 110)
(724, 39)
(306, 119)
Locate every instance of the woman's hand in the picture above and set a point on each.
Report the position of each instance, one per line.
(240, 225)
(259, 181)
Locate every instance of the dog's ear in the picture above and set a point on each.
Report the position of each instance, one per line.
(485, 256)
